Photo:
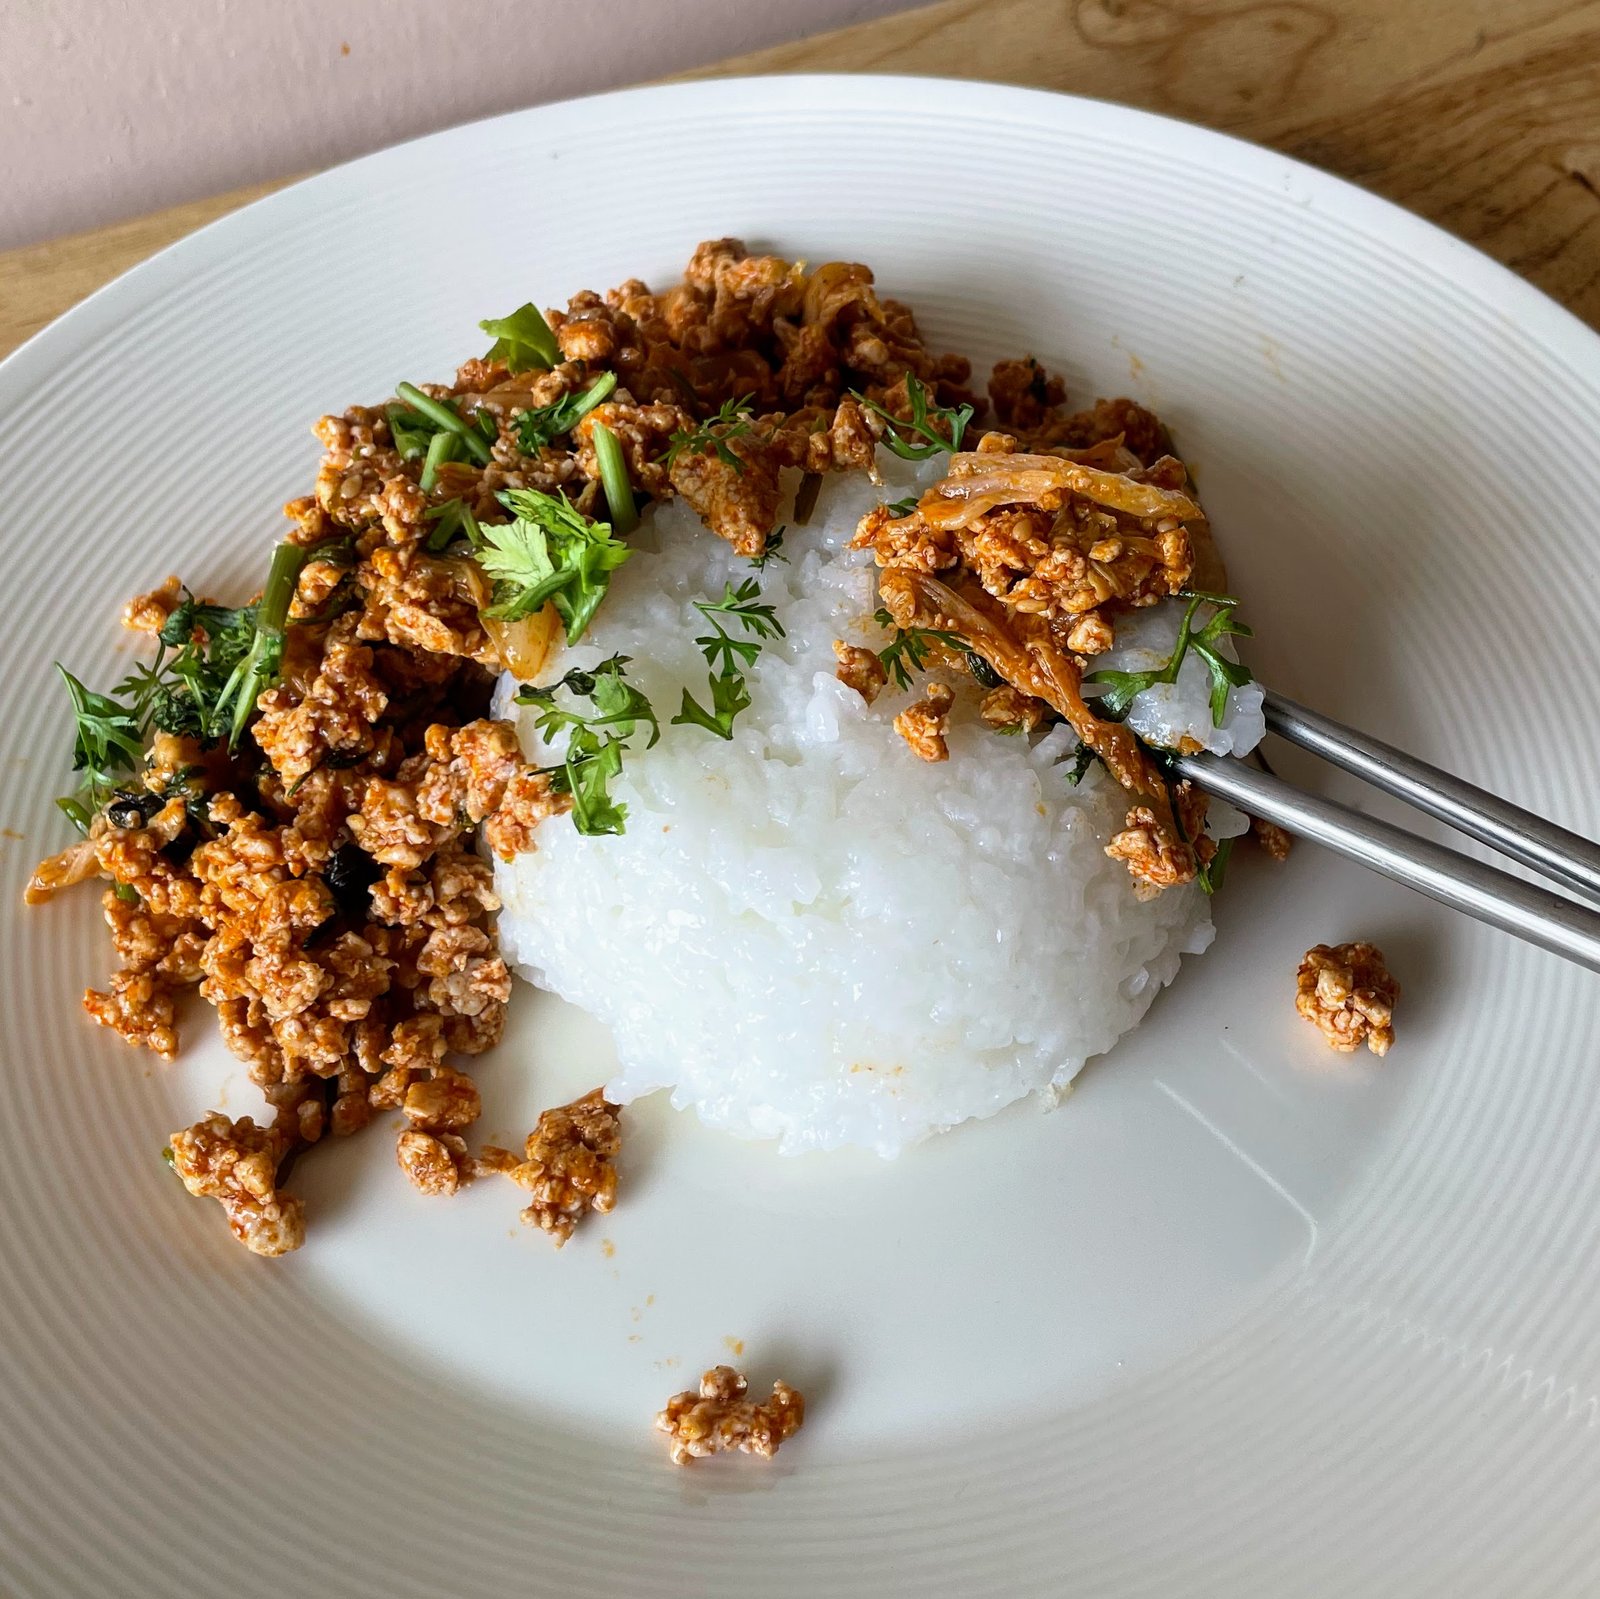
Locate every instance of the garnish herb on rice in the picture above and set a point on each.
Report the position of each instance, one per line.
(548, 423)
(910, 647)
(899, 508)
(731, 421)
(908, 650)
(614, 481)
(1225, 674)
(1082, 759)
(729, 696)
(740, 604)
(549, 552)
(726, 654)
(900, 436)
(522, 340)
(773, 551)
(595, 741)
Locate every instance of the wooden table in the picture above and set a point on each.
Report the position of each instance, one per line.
(1483, 115)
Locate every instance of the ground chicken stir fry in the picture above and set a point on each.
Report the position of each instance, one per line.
(721, 1417)
(565, 1166)
(1346, 990)
(286, 804)
(1025, 554)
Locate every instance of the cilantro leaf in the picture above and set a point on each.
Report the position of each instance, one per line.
(550, 552)
(729, 696)
(1082, 759)
(587, 777)
(106, 740)
(593, 759)
(547, 423)
(522, 340)
(726, 654)
(910, 647)
(741, 604)
(900, 436)
(618, 704)
(899, 508)
(1123, 687)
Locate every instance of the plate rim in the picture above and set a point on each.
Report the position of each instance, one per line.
(1536, 312)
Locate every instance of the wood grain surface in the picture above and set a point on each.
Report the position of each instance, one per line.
(1482, 115)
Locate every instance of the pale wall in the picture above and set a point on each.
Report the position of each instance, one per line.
(109, 108)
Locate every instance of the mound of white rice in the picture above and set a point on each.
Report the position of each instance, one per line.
(808, 934)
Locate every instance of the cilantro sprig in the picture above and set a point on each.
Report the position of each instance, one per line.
(727, 656)
(909, 649)
(212, 664)
(902, 436)
(1225, 674)
(771, 551)
(550, 551)
(596, 741)
(547, 423)
(107, 740)
(724, 652)
(730, 695)
(731, 421)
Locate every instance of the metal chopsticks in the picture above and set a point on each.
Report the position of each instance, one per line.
(1536, 914)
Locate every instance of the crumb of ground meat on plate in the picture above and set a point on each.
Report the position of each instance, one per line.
(722, 1417)
(1275, 842)
(1346, 990)
(236, 1163)
(436, 1163)
(566, 1164)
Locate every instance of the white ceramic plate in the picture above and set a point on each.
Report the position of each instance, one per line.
(1241, 1318)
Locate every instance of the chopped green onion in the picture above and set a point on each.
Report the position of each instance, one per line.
(454, 516)
(256, 671)
(409, 432)
(441, 415)
(614, 479)
(441, 448)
